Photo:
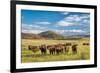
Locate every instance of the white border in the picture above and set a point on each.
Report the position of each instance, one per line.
(20, 65)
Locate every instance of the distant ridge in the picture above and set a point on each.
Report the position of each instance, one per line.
(81, 36)
(51, 35)
(31, 36)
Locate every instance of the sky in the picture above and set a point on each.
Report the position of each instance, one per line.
(65, 23)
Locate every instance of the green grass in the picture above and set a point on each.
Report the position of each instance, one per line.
(28, 56)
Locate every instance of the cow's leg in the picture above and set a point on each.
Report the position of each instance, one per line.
(53, 51)
(45, 52)
(74, 51)
(50, 52)
(57, 51)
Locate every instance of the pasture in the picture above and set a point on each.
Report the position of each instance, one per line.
(28, 56)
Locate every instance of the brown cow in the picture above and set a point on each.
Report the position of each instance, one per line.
(51, 49)
(59, 48)
(86, 44)
(74, 49)
(68, 44)
(43, 49)
(65, 47)
(55, 49)
(33, 48)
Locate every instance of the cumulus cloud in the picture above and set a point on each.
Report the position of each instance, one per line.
(44, 23)
(31, 26)
(73, 30)
(32, 31)
(75, 19)
(65, 13)
(85, 16)
(64, 23)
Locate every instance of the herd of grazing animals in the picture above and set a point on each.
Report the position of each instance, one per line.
(55, 49)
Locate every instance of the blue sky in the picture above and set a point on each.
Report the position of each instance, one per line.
(65, 23)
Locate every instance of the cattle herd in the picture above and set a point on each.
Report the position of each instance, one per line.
(55, 49)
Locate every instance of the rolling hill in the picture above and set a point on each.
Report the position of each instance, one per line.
(51, 35)
(43, 35)
(30, 36)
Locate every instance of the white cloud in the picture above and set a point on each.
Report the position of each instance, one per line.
(65, 13)
(64, 23)
(44, 23)
(69, 20)
(32, 31)
(37, 26)
(85, 21)
(73, 18)
(32, 26)
(73, 30)
(85, 16)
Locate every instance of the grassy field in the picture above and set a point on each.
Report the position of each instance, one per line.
(28, 56)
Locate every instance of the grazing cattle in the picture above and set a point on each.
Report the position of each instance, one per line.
(43, 49)
(74, 49)
(51, 49)
(68, 44)
(66, 49)
(59, 48)
(86, 44)
(55, 49)
(33, 48)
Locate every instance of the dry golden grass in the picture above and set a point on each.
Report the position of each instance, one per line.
(28, 56)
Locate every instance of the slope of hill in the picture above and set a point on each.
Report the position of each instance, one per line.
(30, 36)
(80, 36)
(51, 35)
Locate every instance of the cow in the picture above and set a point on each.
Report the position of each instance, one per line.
(86, 44)
(51, 49)
(33, 48)
(74, 48)
(68, 44)
(43, 49)
(66, 48)
(59, 48)
(55, 49)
